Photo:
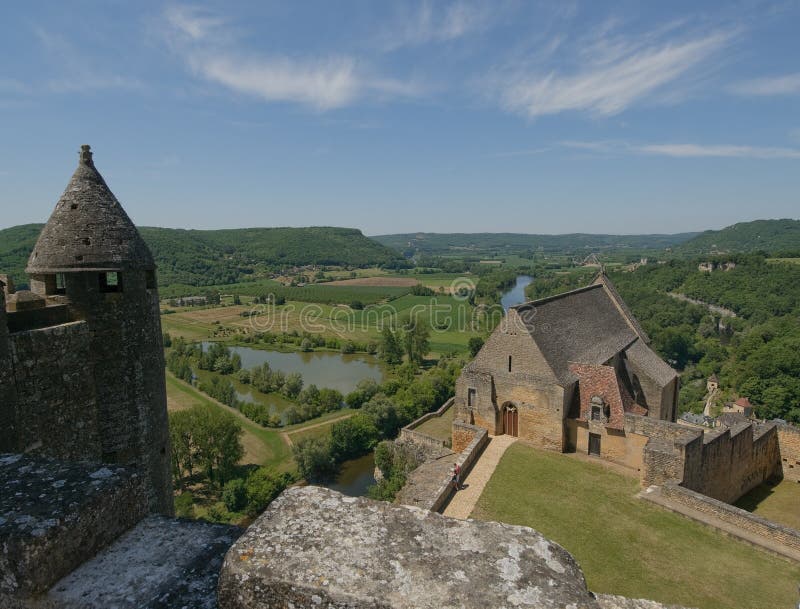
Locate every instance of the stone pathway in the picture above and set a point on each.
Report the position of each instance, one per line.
(463, 502)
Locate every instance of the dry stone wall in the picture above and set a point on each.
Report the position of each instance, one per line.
(789, 446)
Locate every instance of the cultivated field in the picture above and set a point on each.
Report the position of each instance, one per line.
(381, 281)
(626, 546)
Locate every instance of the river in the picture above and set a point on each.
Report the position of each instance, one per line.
(516, 295)
(355, 476)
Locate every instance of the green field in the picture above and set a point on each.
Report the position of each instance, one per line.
(777, 502)
(626, 546)
(452, 321)
(262, 446)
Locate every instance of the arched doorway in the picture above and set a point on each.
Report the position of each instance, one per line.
(510, 420)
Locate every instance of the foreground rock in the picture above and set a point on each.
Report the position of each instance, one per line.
(317, 548)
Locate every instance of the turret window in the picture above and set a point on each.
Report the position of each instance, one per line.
(61, 284)
(110, 282)
(509, 363)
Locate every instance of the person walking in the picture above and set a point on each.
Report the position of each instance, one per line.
(457, 476)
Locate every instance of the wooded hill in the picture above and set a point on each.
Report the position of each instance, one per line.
(519, 243)
(211, 257)
(772, 236)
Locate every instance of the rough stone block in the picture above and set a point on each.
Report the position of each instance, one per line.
(56, 515)
(317, 548)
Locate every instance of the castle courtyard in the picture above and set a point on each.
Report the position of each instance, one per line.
(625, 545)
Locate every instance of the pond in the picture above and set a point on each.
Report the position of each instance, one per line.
(324, 369)
(516, 295)
(355, 476)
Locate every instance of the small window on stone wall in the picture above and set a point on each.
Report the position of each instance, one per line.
(471, 395)
(61, 284)
(597, 413)
(110, 282)
(509, 363)
(150, 280)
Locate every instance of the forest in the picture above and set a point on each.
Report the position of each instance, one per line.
(216, 257)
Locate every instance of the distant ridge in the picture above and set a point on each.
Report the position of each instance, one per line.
(772, 236)
(511, 243)
(210, 257)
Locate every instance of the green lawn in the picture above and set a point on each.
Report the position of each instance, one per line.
(779, 503)
(626, 546)
(439, 427)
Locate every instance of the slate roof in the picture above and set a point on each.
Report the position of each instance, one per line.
(581, 326)
(89, 230)
(589, 325)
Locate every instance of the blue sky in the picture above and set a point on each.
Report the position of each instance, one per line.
(622, 117)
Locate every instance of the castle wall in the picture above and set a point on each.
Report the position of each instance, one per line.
(735, 461)
(8, 397)
(55, 407)
(127, 360)
(789, 446)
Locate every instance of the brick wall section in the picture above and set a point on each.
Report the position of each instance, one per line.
(733, 515)
(789, 446)
(463, 435)
(55, 412)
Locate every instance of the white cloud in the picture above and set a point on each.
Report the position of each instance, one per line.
(209, 48)
(192, 21)
(435, 22)
(788, 84)
(696, 150)
(613, 73)
(685, 150)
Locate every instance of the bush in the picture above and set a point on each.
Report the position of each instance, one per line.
(184, 505)
(234, 495)
(264, 485)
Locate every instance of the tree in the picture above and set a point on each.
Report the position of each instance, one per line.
(314, 459)
(416, 340)
(234, 495)
(262, 486)
(390, 349)
(475, 343)
(353, 437)
(306, 345)
(217, 435)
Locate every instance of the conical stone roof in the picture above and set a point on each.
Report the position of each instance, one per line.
(89, 230)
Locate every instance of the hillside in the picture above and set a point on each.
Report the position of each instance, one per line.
(760, 235)
(210, 257)
(515, 243)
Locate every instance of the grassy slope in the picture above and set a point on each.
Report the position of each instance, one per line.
(626, 546)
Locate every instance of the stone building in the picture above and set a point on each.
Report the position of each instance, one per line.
(81, 354)
(563, 371)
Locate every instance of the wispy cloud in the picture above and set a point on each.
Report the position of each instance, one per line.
(612, 72)
(77, 71)
(436, 22)
(788, 84)
(684, 150)
(210, 49)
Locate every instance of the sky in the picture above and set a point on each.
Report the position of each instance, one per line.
(464, 116)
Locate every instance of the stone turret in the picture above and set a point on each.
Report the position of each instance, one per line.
(91, 256)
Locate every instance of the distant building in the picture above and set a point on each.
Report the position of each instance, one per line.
(712, 384)
(741, 406)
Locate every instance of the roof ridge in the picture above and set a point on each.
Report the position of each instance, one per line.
(547, 299)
